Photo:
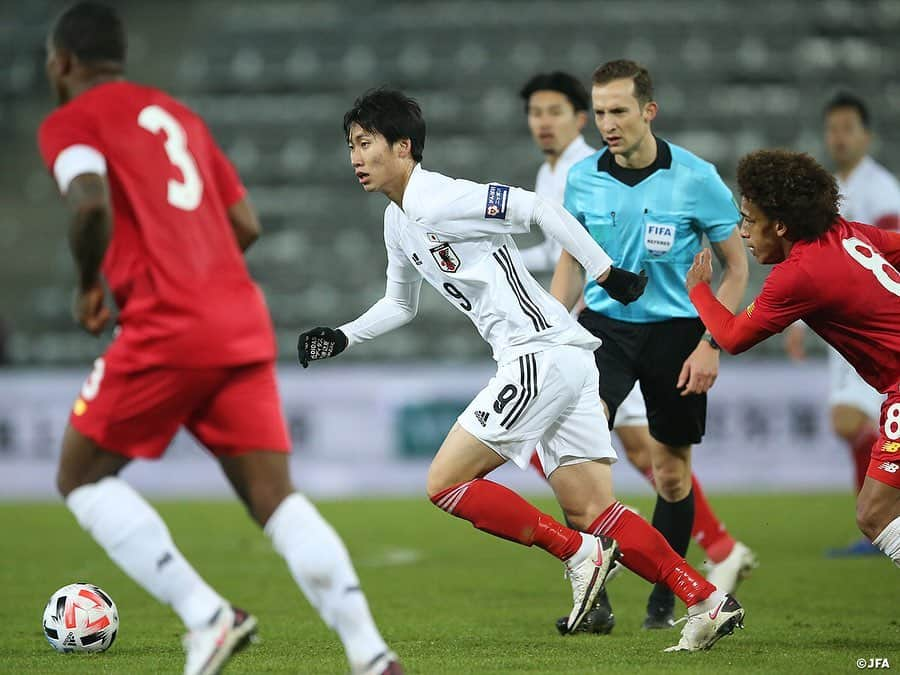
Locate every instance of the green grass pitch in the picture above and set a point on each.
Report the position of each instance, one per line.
(451, 599)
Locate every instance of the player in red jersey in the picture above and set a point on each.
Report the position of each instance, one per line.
(160, 215)
(841, 279)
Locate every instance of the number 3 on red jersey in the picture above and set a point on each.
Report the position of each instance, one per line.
(187, 195)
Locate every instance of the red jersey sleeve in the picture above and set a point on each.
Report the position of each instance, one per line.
(733, 333)
(228, 183)
(65, 127)
(787, 295)
(887, 243)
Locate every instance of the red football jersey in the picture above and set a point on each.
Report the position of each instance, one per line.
(846, 287)
(178, 276)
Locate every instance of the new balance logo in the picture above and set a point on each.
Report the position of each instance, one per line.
(890, 467)
(482, 417)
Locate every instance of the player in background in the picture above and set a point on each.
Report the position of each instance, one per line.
(556, 105)
(160, 215)
(458, 236)
(869, 194)
(649, 203)
(823, 267)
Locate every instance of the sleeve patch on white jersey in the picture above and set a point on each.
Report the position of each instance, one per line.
(497, 201)
(74, 161)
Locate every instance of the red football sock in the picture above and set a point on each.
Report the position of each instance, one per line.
(646, 553)
(498, 510)
(861, 452)
(708, 530)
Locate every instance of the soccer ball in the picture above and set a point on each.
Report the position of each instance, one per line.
(80, 618)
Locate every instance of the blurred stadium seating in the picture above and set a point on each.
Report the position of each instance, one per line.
(273, 79)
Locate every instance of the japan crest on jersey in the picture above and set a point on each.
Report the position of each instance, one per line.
(446, 258)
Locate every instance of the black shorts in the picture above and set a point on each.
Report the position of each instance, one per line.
(653, 354)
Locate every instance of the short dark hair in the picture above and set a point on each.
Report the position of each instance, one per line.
(565, 84)
(390, 113)
(845, 99)
(790, 187)
(623, 69)
(92, 31)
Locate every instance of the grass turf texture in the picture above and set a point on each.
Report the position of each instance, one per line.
(451, 599)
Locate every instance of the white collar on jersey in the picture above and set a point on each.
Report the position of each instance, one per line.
(416, 173)
(865, 165)
(576, 150)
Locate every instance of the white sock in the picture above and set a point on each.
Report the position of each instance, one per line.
(321, 567)
(889, 540)
(138, 541)
(707, 604)
(585, 551)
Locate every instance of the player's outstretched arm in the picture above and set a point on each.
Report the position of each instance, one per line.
(562, 226)
(87, 198)
(734, 334)
(398, 307)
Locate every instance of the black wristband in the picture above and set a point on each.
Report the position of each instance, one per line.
(711, 340)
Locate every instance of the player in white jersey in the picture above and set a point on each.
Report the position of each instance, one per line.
(457, 236)
(869, 194)
(556, 105)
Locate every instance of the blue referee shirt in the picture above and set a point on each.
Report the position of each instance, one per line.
(650, 219)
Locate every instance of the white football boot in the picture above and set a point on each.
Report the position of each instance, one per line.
(708, 626)
(209, 648)
(588, 576)
(386, 663)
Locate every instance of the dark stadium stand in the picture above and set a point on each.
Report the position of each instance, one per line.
(273, 79)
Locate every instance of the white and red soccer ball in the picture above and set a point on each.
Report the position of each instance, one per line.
(80, 618)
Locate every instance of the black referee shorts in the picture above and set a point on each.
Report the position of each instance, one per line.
(653, 354)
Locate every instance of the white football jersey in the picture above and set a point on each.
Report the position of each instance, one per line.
(456, 234)
(551, 184)
(551, 181)
(870, 194)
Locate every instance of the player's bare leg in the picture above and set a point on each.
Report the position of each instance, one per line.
(456, 485)
(859, 431)
(315, 554)
(138, 541)
(878, 516)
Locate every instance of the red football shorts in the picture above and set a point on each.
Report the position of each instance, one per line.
(885, 463)
(229, 410)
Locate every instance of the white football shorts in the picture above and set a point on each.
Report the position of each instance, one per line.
(848, 388)
(547, 401)
(632, 412)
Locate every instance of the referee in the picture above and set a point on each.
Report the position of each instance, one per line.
(649, 203)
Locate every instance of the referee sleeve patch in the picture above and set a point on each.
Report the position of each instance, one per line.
(497, 201)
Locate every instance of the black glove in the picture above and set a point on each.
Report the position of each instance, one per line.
(623, 285)
(320, 343)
